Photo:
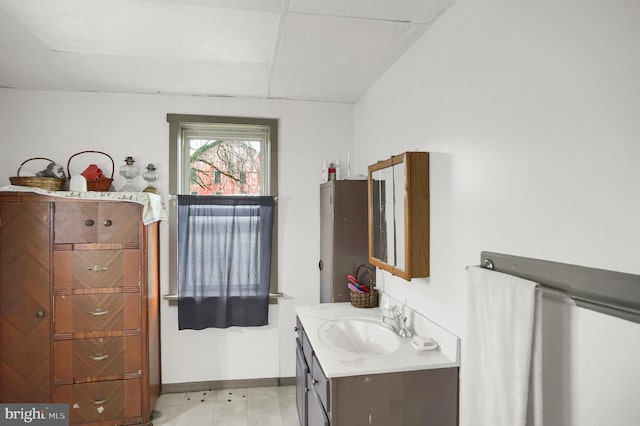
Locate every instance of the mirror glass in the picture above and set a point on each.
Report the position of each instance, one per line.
(382, 214)
(399, 213)
(388, 214)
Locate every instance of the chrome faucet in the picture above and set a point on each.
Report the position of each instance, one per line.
(394, 319)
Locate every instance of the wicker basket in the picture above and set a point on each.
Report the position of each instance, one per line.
(101, 185)
(48, 183)
(364, 300)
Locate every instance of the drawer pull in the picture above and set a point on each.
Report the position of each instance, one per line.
(99, 401)
(97, 269)
(98, 357)
(314, 382)
(107, 222)
(40, 314)
(296, 328)
(98, 312)
(89, 222)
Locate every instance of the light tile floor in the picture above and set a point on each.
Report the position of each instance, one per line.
(271, 406)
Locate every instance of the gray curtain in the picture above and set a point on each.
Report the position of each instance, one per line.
(224, 260)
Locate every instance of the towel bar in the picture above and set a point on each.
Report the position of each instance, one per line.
(486, 264)
(608, 292)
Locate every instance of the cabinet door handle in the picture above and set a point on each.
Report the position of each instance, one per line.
(320, 265)
(296, 328)
(98, 357)
(97, 268)
(40, 314)
(98, 312)
(107, 222)
(314, 382)
(89, 222)
(99, 401)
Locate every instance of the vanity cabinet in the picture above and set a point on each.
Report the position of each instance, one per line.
(88, 308)
(302, 387)
(311, 384)
(343, 236)
(317, 415)
(407, 398)
(399, 215)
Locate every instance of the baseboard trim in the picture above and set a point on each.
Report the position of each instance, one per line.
(227, 384)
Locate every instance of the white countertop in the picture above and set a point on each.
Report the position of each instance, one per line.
(336, 363)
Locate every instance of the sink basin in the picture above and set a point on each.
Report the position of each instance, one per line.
(361, 336)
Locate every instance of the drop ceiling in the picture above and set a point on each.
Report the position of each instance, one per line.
(318, 50)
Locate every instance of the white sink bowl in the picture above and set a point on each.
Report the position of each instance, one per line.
(362, 336)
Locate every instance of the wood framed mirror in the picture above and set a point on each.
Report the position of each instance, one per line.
(399, 215)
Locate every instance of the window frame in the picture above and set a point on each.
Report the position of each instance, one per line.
(177, 125)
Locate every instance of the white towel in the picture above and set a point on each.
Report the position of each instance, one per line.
(500, 373)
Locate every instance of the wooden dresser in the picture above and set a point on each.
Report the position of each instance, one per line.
(79, 307)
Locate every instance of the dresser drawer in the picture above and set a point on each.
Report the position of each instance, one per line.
(103, 358)
(117, 400)
(96, 312)
(96, 268)
(96, 222)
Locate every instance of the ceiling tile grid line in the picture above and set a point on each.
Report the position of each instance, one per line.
(278, 43)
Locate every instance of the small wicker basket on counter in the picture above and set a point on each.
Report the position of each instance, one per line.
(48, 183)
(365, 300)
(101, 185)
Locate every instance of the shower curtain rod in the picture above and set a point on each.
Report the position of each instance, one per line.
(608, 292)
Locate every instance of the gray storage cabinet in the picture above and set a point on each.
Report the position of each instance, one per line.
(343, 236)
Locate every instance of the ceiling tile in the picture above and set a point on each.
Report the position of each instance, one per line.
(266, 5)
(121, 27)
(320, 84)
(345, 43)
(80, 72)
(396, 10)
(161, 75)
(15, 36)
(328, 50)
(23, 69)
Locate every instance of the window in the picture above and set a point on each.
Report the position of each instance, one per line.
(222, 158)
(215, 155)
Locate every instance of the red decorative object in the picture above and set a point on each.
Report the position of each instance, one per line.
(92, 172)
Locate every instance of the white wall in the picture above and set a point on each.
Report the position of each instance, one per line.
(531, 110)
(57, 125)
